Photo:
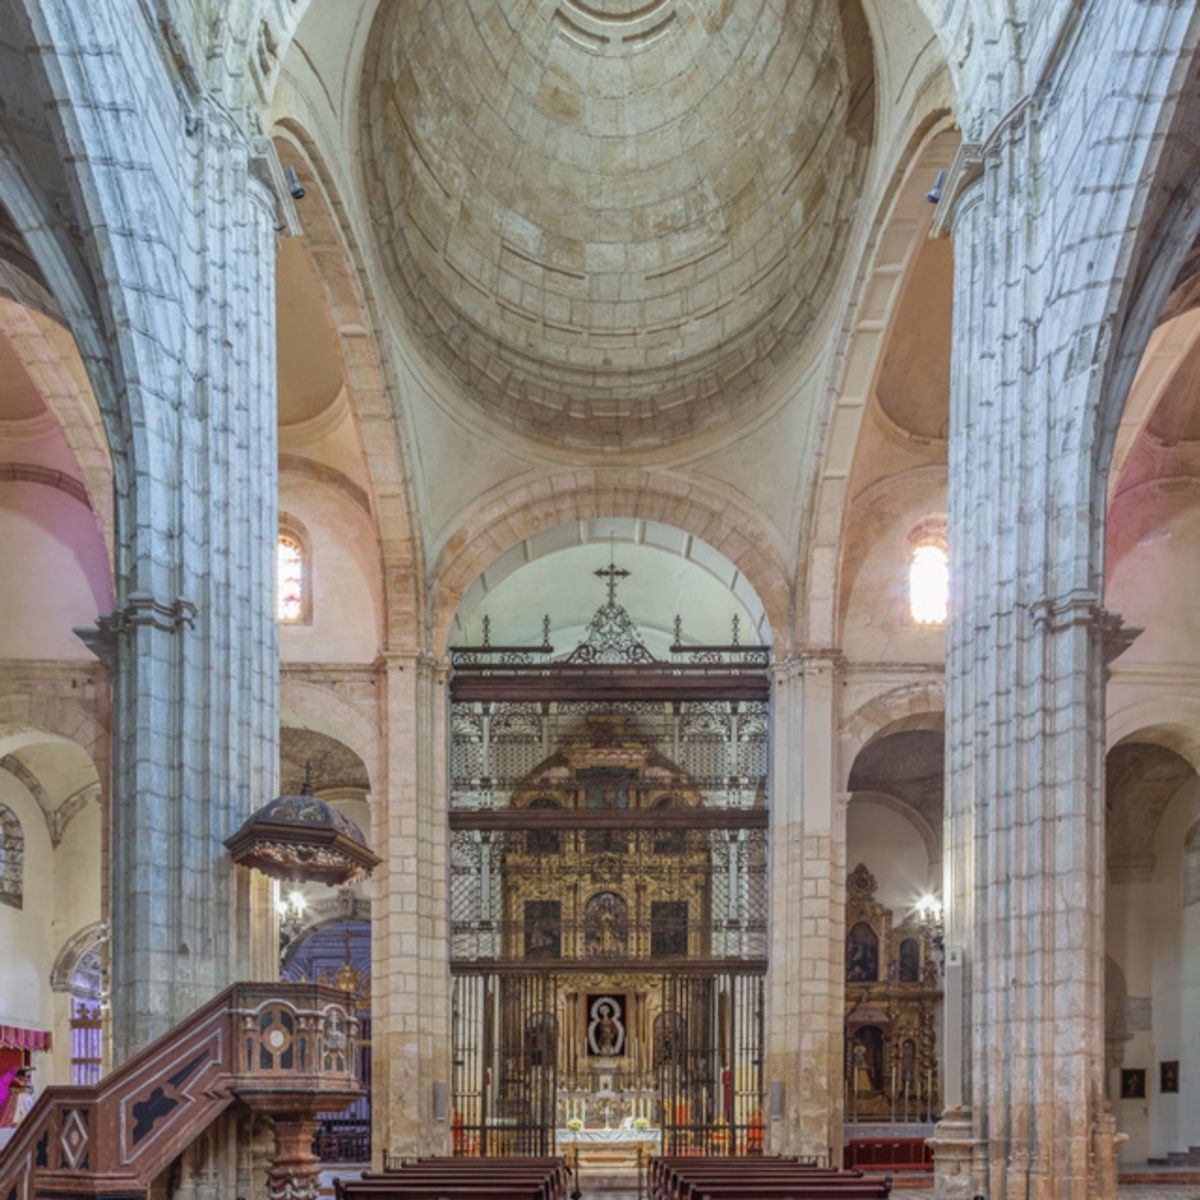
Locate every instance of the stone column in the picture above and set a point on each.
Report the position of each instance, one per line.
(410, 1031)
(192, 645)
(804, 1010)
(1024, 874)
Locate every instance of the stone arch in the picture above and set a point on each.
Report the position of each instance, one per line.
(59, 375)
(26, 717)
(341, 270)
(533, 504)
(1170, 721)
(76, 948)
(1168, 348)
(911, 706)
(110, 198)
(900, 228)
(305, 704)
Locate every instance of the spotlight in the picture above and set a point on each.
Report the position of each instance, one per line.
(934, 194)
(297, 188)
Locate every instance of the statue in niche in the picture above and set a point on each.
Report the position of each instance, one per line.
(606, 1029)
(861, 1070)
(862, 954)
(867, 1061)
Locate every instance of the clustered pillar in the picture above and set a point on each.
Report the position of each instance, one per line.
(1024, 871)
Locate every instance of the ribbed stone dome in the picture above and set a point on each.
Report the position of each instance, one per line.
(610, 221)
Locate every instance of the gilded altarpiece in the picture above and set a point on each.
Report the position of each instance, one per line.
(893, 990)
(608, 862)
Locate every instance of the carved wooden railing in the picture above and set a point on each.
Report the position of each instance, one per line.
(284, 1049)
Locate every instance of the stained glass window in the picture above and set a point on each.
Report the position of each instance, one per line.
(928, 581)
(289, 579)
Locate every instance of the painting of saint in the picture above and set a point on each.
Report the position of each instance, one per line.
(862, 955)
(543, 929)
(1133, 1083)
(910, 961)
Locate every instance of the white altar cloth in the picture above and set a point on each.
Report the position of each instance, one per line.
(609, 1137)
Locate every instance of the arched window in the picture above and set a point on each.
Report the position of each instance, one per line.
(292, 584)
(928, 573)
(12, 857)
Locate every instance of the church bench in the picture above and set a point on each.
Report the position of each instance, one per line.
(462, 1179)
(538, 1186)
(395, 1190)
(758, 1179)
(825, 1188)
(673, 1180)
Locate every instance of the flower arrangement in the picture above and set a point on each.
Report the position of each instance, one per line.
(575, 1123)
(641, 1122)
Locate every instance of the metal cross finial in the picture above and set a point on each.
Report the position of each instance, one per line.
(612, 574)
(306, 788)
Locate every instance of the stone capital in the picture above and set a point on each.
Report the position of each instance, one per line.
(141, 609)
(1082, 609)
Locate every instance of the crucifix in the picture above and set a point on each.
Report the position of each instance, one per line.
(612, 574)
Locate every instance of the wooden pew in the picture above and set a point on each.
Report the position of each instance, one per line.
(680, 1178)
(461, 1179)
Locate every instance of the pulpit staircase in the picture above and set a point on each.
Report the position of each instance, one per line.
(282, 1049)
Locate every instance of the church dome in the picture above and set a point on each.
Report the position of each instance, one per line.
(610, 222)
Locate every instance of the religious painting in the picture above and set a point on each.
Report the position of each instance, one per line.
(1133, 1083)
(606, 787)
(862, 954)
(606, 1026)
(910, 961)
(606, 926)
(543, 929)
(669, 929)
(1168, 1076)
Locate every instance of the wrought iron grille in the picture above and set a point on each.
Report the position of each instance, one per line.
(716, 746)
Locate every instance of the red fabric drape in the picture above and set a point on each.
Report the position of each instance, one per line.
(14, 1037)
(10, 1062)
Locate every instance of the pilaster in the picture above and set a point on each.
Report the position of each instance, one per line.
(804, 1016)
(410, 1033)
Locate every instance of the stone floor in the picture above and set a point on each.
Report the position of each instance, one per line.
(1129, 1191)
